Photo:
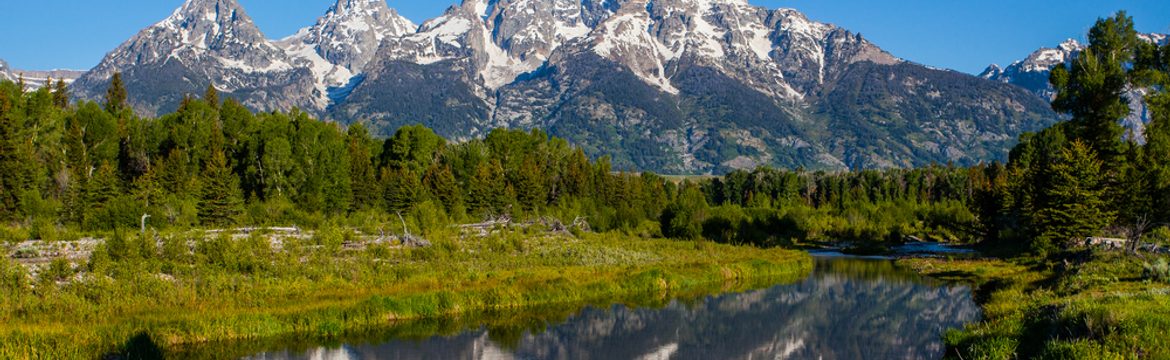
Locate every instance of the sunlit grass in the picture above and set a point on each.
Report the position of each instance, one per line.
(1103, 308)
(250, 291)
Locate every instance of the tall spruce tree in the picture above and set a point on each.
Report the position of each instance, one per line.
(1075, 205)
(61, 94)
(116, 95)
(100, 191)
(211, 96)
(486, 189)
(363, 175)
(403, 189)
(440, 181)
(221, 201)
(1091, 87)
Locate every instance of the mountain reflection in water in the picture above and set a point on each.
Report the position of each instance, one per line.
(847, 309)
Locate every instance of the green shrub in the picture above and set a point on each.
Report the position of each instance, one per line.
(58, 270)
(1158, 271)
(13, 277)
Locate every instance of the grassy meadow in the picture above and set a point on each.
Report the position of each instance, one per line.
(183, 290)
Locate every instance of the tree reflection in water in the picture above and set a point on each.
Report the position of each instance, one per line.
(847, 309)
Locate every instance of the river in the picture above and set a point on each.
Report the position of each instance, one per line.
(848, 308)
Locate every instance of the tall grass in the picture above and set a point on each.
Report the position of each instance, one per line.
(1106, 307)
(170, 295)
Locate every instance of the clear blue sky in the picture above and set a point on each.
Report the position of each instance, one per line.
(965, 35)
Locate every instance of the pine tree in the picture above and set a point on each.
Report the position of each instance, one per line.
(362, 172)
(222, 200)
(61, 94)
(116, 95)
(403, 189)
(530, 188)
(18, 163)
(100, 190)
(441, 183)
(1075, 205)
(1156, 162)
(211, 96)
(1091, 87)
(487, 189)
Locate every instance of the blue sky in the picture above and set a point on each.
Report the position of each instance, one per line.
(965, 35)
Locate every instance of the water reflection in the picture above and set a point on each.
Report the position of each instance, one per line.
(847, 309)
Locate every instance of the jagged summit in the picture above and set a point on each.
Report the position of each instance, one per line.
(342, 42)
(213, 24)
(204, 42)
(351, 31)
(674, 85)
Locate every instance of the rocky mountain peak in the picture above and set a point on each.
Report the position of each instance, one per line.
(213, 24)
(204, 42)
(344, 41)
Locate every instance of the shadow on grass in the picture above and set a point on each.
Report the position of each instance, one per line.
(139, 347)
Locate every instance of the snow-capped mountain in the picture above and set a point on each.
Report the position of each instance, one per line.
(36, 79)
(203, 42)
(343, 41)
(668, 85)
(680, 84)
(1032, 74)
(6, 72)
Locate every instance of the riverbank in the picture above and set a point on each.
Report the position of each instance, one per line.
(1097, 305)
(160, 296)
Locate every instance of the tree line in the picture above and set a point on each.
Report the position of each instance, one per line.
(213, 163)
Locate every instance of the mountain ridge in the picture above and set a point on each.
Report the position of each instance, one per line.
(648, 82)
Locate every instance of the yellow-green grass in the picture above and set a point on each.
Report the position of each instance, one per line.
(177, 303)
(1099, 308)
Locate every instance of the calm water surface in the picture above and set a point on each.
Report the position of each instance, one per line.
(848, 308)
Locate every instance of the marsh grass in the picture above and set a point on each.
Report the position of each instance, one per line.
(141, 295)
(1101, 308)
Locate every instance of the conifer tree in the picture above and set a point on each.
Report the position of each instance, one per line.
(362, 172)
(222, 201)
(116, 95)
(403, 189)
(486, 188)
(1075, 205)
(1091, 87)
(18, 163)
(442, 184)
(211, 96)
(530, 188)
(100, 190)
(61, 94)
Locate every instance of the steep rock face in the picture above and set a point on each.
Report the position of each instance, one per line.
(475, 49)
(727, 85)
(907, 115)
(686, 86)
(342, 42)
(1032, 74)
(203, 42)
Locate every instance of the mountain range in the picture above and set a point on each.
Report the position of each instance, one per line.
(676, 86)
(35, 79)
(1033, 71)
